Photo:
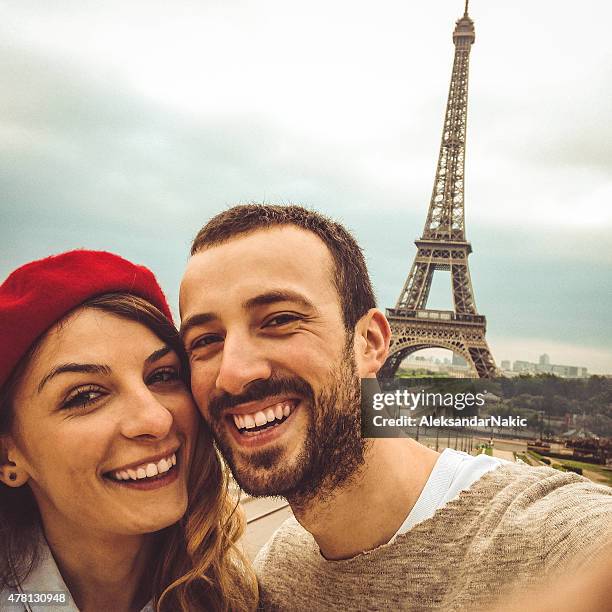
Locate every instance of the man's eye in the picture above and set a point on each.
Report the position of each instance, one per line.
(83, 397)
(163, 375)
(281, 319)
(204, 341)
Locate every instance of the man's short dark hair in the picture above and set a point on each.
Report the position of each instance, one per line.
(350, 276)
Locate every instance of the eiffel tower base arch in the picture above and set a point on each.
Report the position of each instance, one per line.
(466, 338)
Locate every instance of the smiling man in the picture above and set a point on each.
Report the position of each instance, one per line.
(280, 323)
(272, 356)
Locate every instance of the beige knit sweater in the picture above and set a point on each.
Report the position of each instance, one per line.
(511, 529)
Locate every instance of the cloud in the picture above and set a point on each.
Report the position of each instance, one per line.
(127, 125)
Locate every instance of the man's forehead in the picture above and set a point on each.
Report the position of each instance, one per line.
(284, 254)
(271, 239)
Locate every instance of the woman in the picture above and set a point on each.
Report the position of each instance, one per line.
(112, 491)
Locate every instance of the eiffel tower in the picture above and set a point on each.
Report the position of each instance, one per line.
(443, 246)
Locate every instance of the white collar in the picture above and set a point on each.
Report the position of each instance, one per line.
(45, 577)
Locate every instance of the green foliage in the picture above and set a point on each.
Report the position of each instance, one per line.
(545, 399)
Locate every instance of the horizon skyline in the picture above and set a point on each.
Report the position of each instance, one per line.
(440, 355)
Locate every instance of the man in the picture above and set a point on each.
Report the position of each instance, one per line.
(279, 319)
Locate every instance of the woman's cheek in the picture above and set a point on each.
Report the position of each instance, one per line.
(186, 413)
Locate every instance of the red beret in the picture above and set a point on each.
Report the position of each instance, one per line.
(42, 292)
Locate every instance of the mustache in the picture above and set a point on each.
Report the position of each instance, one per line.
(260, 390)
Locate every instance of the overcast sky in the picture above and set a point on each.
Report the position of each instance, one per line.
(126, 125)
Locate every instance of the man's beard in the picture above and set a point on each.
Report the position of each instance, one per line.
(333, 449)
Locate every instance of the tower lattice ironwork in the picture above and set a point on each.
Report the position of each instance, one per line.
(443, 245)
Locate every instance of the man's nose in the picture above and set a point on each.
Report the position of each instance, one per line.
(146, 417)
(242, 363)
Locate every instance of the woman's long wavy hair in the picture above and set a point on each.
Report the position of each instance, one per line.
(198, 566)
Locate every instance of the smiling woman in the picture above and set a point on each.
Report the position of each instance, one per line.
(111, 487)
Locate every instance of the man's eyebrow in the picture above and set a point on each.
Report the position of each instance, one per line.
(195, 320)
(87, 368)
(277, 295)
(158, 354)
(269, 297)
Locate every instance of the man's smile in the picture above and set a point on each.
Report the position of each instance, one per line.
(258, 423)
(262, 419)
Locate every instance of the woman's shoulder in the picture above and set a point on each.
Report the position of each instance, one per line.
(8, 599)
(43, 588)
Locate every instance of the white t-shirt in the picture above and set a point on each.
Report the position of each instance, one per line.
(453, 472)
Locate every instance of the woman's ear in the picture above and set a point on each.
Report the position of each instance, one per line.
(12, 473)
(371, 344)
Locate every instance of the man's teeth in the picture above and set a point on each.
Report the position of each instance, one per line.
(273, 413)
(146, 470)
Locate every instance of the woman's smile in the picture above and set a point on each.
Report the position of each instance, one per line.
(148, 474)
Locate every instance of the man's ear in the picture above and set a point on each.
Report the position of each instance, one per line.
(12, 473)
(371, 343)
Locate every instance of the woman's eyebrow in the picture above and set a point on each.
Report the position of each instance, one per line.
(158, 354)
(95, 368)
(87, 368)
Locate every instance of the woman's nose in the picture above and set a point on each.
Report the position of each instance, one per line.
(146, 416)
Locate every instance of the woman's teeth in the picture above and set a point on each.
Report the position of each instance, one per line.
(272, 414)
(146, 470)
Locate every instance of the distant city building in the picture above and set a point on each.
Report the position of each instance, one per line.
(433, 364)
(505, 364)
(545, 367)
(524, 367)
(569, 371)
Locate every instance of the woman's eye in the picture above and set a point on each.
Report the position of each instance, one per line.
(164, 375)
(83, 397)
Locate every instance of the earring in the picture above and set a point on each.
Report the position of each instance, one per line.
(13, 476)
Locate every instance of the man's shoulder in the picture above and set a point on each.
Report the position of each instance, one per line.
(565, 512)
(289, 542)
(521, 490)
(531, 487)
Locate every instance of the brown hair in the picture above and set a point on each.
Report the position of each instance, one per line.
(351, 277)
(199, 567)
